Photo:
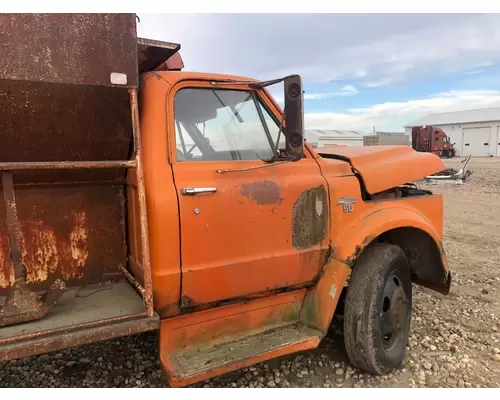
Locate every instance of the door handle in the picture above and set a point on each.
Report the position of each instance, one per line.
(193, 191)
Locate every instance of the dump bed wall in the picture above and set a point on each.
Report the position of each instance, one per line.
(68, 48)
(57, 104)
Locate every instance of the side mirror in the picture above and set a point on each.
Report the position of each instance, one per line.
(294, 116)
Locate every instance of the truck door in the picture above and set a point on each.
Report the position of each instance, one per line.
(247, 225)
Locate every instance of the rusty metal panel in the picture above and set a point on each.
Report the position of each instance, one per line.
(153, 53)
(77, 336)
(69, 48)
(75, 233)
(48, 122)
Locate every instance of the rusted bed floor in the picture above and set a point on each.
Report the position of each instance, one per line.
(81, 305)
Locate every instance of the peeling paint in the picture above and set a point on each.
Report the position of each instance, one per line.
(319, 207)
(263, 192)
(310, 218)
(333, 291)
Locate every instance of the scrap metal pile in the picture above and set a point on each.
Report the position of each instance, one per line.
(451, 175)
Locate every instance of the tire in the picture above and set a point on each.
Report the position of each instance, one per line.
(379, 286)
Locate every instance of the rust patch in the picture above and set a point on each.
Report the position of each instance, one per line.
(45, 256)
(78, 242)
(310, 218)
(70, 232)
(23, 305)
(6, 268)
(350, 261)
(262, 193)
(186, 302)
(69, 48)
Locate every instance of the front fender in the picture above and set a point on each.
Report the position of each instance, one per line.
(353, 240)
(400, 224)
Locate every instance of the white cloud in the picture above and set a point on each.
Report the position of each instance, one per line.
(394, 115)
(317, 96)
(377, 49)
(380, 82)
(346, 90)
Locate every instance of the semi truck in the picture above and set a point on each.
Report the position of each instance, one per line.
(140, 197)
(433, 140)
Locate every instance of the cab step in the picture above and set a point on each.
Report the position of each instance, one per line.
(204, 362)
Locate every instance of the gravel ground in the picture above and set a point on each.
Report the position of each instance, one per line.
(454, 339)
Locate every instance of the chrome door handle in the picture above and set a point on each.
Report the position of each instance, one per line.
(193, 191)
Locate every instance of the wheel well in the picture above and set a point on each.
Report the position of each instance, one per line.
(423, 254)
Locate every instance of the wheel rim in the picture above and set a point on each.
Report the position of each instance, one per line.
(393, 312)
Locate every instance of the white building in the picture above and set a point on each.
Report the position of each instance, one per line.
(473, 132)
(326, 137)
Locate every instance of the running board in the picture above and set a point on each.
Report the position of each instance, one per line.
(185, 367)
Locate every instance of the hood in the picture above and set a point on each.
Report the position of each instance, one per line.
(385, 167)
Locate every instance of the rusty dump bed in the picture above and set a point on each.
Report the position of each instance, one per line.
(69, 137)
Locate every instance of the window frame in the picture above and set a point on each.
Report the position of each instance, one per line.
(275, 120)
(257, 101)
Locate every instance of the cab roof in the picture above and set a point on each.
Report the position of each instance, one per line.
(175, 76)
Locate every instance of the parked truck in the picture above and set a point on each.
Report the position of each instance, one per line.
(433, 140)
(138, 197)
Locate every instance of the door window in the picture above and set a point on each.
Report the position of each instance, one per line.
(222, 125)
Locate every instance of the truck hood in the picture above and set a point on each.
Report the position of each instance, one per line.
(385, 167)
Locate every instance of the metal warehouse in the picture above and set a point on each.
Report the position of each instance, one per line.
(328, 137)
(473, 132)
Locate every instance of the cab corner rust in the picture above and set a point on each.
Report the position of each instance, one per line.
(187, 302)
(262, 192)
(310, 218)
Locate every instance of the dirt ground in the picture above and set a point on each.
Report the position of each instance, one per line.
(454, 339)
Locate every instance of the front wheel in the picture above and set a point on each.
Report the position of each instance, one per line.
(378, 309)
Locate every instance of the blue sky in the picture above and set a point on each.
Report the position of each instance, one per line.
(359, 70)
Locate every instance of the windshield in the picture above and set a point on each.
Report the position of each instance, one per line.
(223, 124)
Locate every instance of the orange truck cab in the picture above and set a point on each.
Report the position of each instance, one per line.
(189, 203)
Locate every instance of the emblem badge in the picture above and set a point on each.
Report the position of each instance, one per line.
(347, 203)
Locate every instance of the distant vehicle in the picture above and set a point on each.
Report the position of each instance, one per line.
(432, 140)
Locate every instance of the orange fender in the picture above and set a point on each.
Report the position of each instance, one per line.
(321, 300)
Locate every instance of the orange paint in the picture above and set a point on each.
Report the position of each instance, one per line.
(380, 166)
(320, 301)
(175, 381)
(215, 325)
(208, 328)
(238, 243)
